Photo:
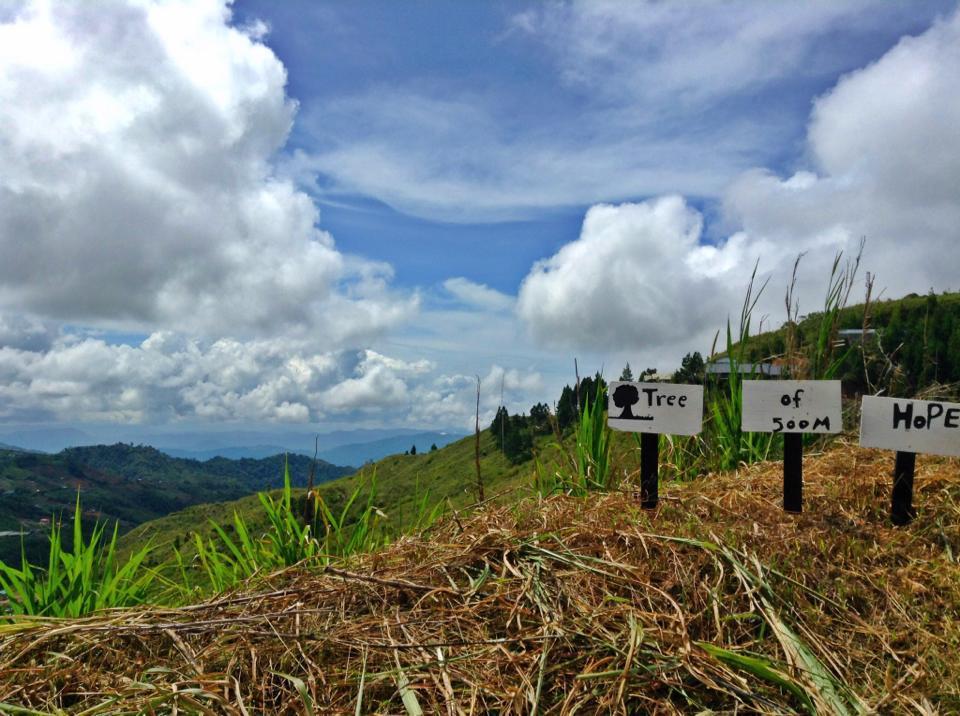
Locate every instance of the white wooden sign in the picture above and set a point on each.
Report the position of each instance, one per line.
(928, 426)
(791, 406)
(655, 408)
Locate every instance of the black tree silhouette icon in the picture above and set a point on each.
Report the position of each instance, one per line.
(625, 397)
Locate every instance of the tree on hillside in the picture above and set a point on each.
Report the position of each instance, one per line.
(627, 374)
(517, 443)
(566, 407)
(953, 350)
(413, 450)
(540, 419)
(589, 387)
(433, 447)
(498, 426)
(691, 369)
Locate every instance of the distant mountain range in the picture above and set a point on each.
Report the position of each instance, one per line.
(127, 483)
(46, 439)
(203, 443)
(355, 454)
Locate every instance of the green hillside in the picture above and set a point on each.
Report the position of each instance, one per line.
(402, 481)
(124, 483)
(920, 335)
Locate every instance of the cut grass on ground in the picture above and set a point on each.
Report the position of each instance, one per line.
(717, 600)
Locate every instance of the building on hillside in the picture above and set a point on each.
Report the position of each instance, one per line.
(856, 336)
(721, 369)
(655, 377)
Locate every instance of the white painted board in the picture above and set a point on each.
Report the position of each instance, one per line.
(928, 426)
(792, 406)
(655, 407)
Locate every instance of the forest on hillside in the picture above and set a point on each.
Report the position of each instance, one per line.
(909, 345)
(905, 347)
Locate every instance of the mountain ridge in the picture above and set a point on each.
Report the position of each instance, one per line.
(128, 484)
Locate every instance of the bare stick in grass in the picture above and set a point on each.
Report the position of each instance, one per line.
(477, 446)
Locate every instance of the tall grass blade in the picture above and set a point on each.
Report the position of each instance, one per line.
(761, 668)
(593, 446)
(79, 581)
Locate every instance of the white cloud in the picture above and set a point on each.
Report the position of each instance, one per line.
(673, 56)
(139, 191)
(515, 385)
(884, 144)
(452, 399)
(478, 295)
(884, 147)
(25, 333)
(170, 377)
(167, 377)
(455, 159)
(137, 186)
(626, 100)
(379, 384)
(630, 281)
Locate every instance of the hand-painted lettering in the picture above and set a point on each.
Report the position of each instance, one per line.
(904, 417)
(799, 426)
(953, 418)
(785, 399)
(655, 398)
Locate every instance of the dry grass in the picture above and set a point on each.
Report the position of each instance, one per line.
(563, 605)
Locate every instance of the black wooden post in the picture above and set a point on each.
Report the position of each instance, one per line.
(793, 472)
(649, 469)
(901, 511)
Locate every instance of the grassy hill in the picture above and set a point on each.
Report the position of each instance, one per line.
(920, 335)
(124, 483)
(717, 602)
(402, 482)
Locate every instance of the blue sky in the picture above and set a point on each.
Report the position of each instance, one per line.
(341, 213)
(334, 51)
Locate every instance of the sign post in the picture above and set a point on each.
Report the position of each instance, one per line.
(909, 427)
(792, 407)
(651, 409)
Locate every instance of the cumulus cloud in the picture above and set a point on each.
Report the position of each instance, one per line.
(170, 377)
(138, 188)
(515, 385)
(631, 280)
(450, 399)
(166, 377)
(885, 166)
(25, 333)
(379, 383)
